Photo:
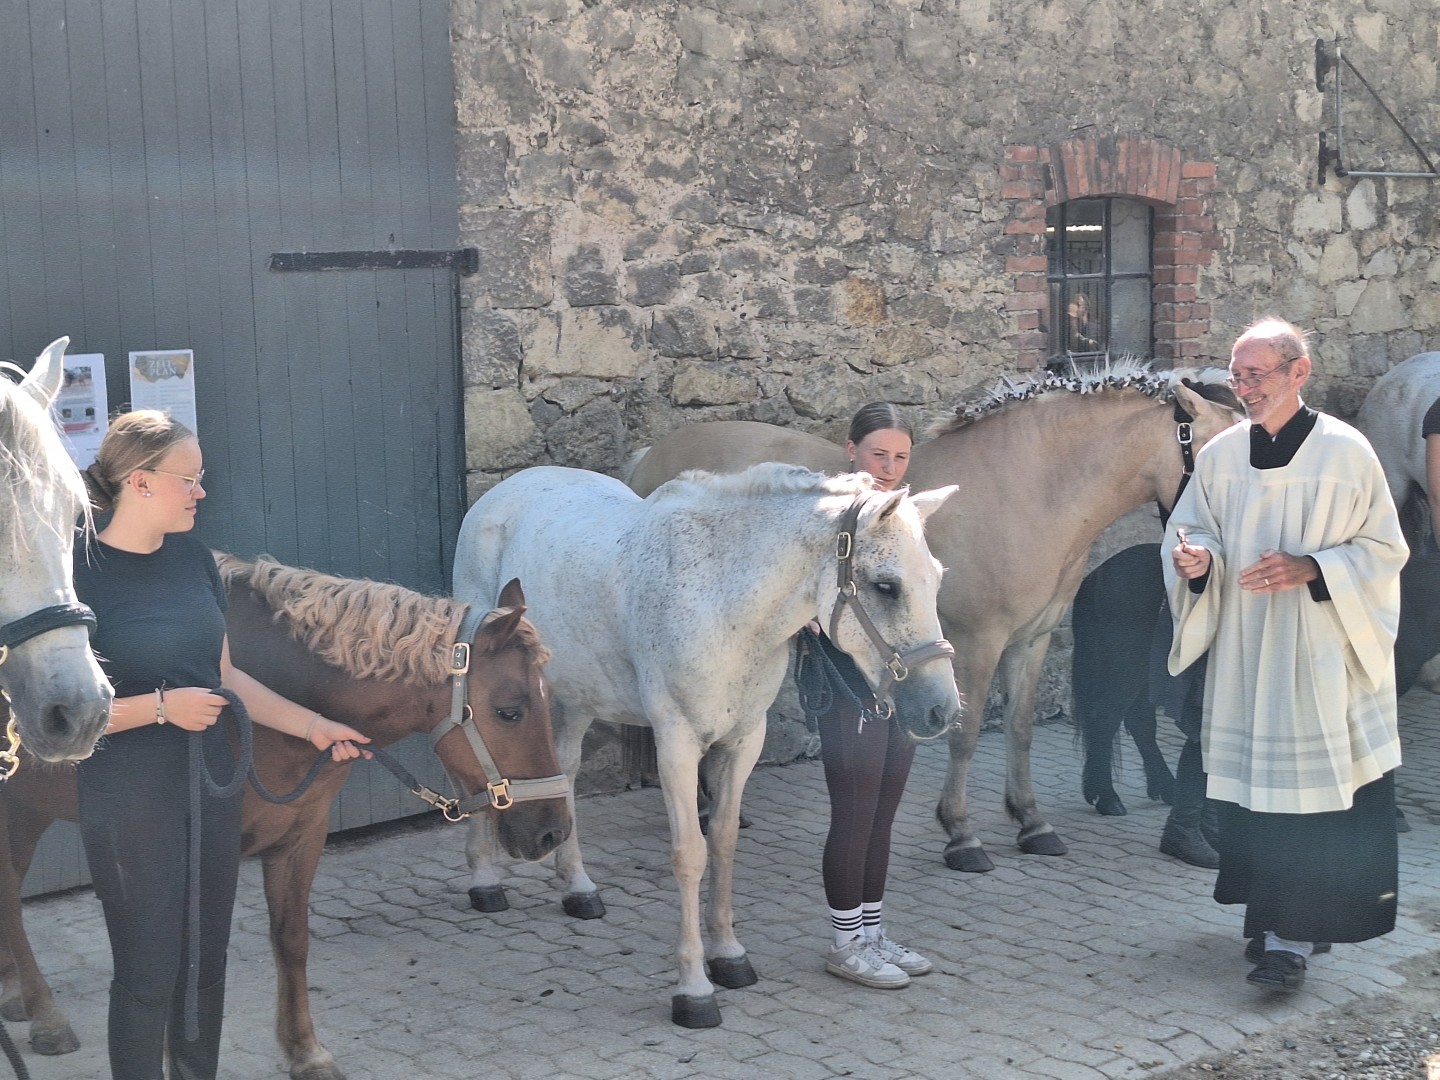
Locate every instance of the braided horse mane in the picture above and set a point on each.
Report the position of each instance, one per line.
(1119, 374)
(367, 629)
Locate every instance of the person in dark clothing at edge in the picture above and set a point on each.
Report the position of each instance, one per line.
(1283, 559)
(867, 761)
(161, 641)
(1430, 432)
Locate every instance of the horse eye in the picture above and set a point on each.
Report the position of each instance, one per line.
(888, 589)
(510, 716)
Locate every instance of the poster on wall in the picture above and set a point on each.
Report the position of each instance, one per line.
(165, 379)
(82, 408)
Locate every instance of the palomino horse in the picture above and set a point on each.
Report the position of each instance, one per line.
(1043, 466)
(677, 612)
(59, 697)
(382, 659)
(1390, 417)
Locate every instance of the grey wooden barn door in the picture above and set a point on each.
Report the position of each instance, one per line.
(154, 156)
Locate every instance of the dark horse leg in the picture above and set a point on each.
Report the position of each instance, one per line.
(1140, 723)
(1113, 622)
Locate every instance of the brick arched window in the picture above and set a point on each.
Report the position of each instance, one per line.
(1085, 181)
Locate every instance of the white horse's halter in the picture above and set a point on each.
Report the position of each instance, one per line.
(897, 667)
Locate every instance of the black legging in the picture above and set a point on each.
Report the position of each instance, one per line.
(866, 767)
(134, 819)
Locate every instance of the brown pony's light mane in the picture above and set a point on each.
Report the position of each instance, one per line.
(367, 629)
(1121, 374)
(767, 478)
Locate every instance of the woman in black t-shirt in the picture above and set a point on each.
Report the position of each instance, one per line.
(161, 640)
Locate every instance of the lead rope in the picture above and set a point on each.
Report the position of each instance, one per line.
(201, 776)
(817, 679)
(16, 1061)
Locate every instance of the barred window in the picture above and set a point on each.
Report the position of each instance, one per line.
(1098, 270)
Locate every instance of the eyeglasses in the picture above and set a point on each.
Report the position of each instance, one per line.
(1247, 381)
(191, 482)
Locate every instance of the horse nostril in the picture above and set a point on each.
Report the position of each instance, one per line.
(57, 723)
(939, 718)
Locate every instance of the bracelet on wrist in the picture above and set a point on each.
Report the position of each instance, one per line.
(310, 731)
(160, 705)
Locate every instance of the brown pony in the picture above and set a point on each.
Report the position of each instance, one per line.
(1043, 465)
(375, 656)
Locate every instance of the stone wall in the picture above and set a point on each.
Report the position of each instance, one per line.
(778, 209)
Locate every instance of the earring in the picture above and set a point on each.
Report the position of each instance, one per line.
(146, 494)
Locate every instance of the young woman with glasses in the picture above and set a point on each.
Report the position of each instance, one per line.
(161, 640)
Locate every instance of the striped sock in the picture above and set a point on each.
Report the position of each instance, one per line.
(870, 916)
(846, 924)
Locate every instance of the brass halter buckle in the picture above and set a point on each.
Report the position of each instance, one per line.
(500, 796)
(4, 653)
(10, 753)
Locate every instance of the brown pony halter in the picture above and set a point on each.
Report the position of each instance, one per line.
(500, 792)
(897, 667)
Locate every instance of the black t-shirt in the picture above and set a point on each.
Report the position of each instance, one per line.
(160, 618)
(1431, 424)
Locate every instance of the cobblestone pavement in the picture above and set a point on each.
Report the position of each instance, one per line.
(1111, 962)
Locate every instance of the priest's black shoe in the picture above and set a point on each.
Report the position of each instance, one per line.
(1279, 970)
(1188, 845)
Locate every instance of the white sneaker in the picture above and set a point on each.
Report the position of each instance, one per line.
(859, 962)
(907, 960)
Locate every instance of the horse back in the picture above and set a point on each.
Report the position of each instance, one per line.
(529, 521)
(729, 446)
(1391, 417)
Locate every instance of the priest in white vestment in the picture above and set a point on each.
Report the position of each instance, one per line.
(1283, 561)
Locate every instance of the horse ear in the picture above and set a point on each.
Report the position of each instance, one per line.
(512, 596)
(43, 382)
(927, 502)
(891, 505)
(498, 631)
(1197, 404)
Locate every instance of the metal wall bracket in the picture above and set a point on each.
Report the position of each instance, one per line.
(1333, 157)
(465, 260)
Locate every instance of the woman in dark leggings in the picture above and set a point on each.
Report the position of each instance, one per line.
(160, 636)
(867, 762)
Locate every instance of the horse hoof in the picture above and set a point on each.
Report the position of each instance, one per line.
(586, 906)
(969, 860)
(1163, 791)
(731, 972)
(54, 1041)
(1045, 843)
(694, 1012)
(318, 1070)
(1110, 806)
(14, 1011)
(489, 898)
